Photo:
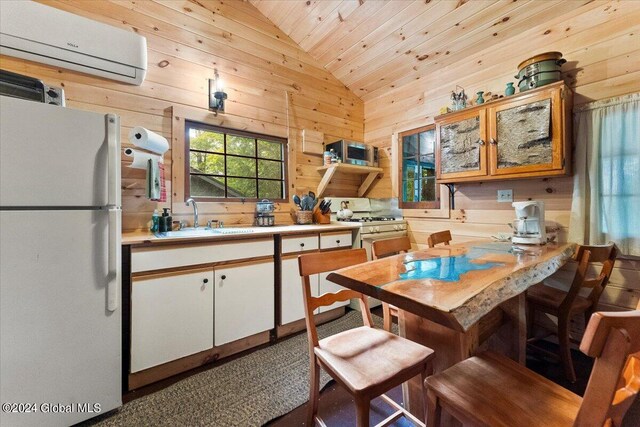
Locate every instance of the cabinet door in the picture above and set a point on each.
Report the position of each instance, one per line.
(461, 146)
(525, 135)
(171, 317)
(292, 298)
(244, 300)
(328, 286)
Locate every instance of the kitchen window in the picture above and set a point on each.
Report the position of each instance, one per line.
(231, 165)
(418, 188)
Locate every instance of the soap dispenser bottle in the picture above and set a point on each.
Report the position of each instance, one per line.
(165, 221)
(155, 221)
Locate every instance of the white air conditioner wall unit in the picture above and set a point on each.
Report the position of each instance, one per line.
(51, 36)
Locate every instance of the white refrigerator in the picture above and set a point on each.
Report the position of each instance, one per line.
(60, 264)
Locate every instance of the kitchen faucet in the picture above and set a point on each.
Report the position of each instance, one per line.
(195, 211)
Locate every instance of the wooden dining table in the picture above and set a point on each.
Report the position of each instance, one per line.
(460, 298)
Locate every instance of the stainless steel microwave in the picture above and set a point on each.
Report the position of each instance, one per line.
(354, 153)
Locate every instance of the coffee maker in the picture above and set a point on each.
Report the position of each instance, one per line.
(529, 227)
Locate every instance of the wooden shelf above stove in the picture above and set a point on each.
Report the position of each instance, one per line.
(371, 172)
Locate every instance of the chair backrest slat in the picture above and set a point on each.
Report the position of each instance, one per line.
(322, 262)
(614, 340)
(439, 237)
(578, 280)
(605, 254)
(332, 297)
(387, 247)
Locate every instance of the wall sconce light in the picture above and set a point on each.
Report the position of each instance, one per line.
(216, 94)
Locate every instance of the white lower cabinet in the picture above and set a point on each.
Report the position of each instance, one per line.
(292, 298)
(171, 316)
(244, 300)
(327, 286)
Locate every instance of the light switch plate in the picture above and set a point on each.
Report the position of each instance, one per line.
(505, 196)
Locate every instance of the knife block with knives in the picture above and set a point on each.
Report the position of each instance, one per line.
(322, 214)
(320, 218)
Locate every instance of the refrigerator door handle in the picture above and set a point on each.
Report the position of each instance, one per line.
(113, 142)
(115, 260)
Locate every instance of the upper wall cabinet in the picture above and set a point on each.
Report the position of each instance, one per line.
(522, 136)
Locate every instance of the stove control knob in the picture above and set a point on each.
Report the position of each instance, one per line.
(377, 229)
(371, 230)
(395, 227)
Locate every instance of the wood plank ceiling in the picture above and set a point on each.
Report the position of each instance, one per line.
(373, 46)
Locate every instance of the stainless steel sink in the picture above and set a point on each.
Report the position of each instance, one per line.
(203, 232)
(188, 232)
(232, 230)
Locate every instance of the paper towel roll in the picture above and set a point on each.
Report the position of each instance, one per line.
(140, 159)
(147, 140)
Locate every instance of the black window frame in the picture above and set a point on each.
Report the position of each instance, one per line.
(191, 124)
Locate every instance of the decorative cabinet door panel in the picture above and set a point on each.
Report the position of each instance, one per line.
(461, 148)
(526, 135)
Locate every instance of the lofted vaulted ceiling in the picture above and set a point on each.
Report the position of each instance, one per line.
(376, 45)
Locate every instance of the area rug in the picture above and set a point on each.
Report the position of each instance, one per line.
(248, 391)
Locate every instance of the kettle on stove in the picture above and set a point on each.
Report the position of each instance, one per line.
(344, 212)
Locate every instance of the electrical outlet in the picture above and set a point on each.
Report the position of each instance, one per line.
(505, 196)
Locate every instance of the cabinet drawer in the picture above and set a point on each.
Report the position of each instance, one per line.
(157, 258)
(171, 317)
(336, 240)
(299, 243)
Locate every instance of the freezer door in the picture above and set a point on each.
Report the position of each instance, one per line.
(60, 343)
(57, 157)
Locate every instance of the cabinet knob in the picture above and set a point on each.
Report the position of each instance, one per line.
(205, 281)
(223, 277)
(338, 241)
(302, 245)
(493, 141)
(480, 141)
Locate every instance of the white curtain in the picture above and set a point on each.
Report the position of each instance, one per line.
(606, 186)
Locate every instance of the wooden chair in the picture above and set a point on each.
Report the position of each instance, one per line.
(439, 237)
(384, 248)
(365, 361)
(565, 305)
(492, 390)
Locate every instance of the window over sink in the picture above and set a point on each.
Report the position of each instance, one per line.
(231, 165)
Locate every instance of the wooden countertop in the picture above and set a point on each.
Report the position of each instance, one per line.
(148, 238)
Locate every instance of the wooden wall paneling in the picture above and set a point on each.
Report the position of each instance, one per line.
(409, 22)
(353, 27)
(326, 24)
(441, 18)
(600, 41)
(506, 55)
(314, 18)
(186, 41)
(548, 35)
(290, 16)
(473, 34)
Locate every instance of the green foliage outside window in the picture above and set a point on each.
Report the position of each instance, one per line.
(223, 164)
